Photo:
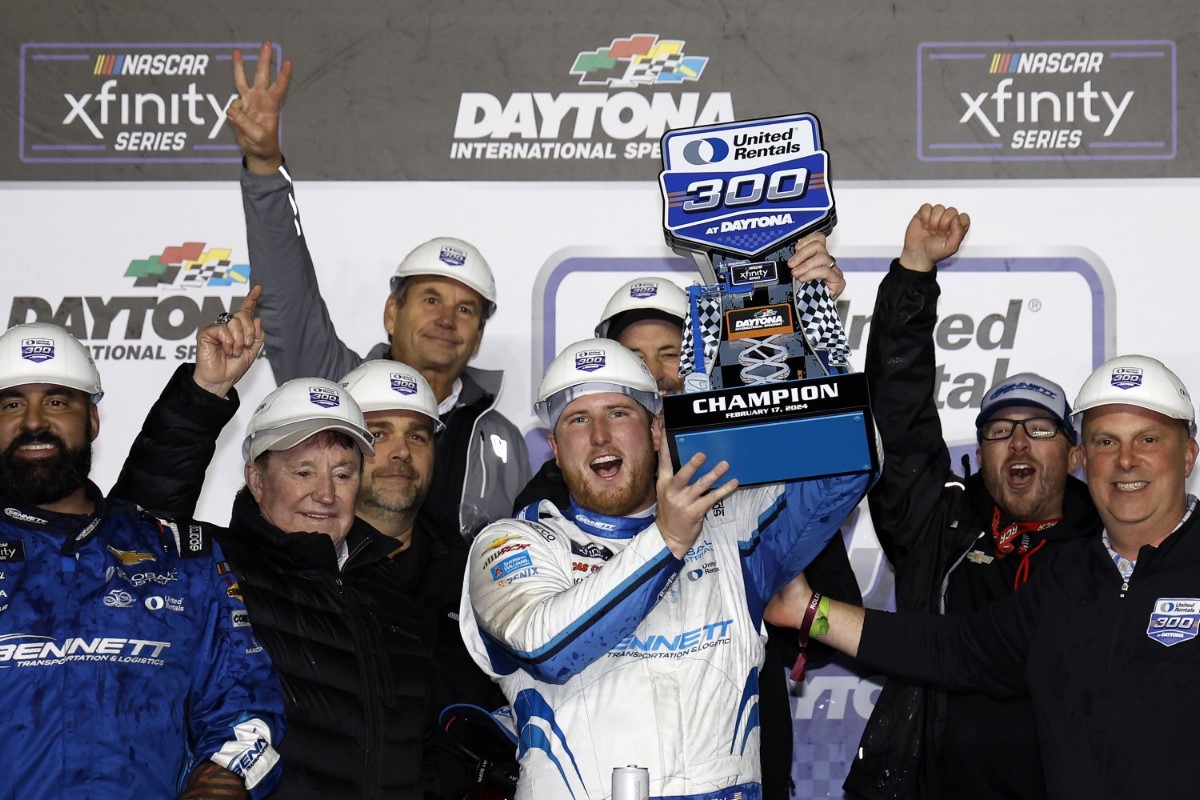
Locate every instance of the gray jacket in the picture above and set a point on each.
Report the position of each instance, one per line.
(302, 342)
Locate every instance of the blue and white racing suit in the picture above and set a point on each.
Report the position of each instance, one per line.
(126, 658)
(613, 652)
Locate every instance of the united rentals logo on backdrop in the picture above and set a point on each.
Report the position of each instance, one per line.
(127, 103)
(632, 97)
(1038, 101)
(189, 285)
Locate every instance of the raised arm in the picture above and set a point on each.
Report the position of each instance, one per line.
(900, 369)
(165, 468)
(302, 340)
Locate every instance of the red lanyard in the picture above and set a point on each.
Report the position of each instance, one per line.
(1004, 538)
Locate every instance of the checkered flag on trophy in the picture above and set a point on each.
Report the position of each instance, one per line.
(703, 326)
(822, 325)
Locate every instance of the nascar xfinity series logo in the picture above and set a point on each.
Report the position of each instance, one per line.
(1026, 101)
(627, 106)
(127, 103)
(135, 327)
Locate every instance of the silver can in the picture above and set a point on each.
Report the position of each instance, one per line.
(630, 783)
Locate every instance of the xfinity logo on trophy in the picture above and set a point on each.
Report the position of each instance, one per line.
(127, 103)
(184, 284)
(632, 99)
(1028, 101)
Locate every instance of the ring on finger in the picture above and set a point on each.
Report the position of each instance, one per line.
(223, 318)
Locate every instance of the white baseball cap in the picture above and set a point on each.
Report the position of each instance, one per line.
(1137, 381)
(450, 258)
(593, 366)
(40, 352)
(302, 408)
(642, 299)
(385, 385)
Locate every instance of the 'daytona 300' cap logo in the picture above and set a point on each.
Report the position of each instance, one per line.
(37, 349)
(589, 360)
(324, 398)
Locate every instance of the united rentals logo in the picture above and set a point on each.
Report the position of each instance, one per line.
(127, 103)
(594, 125)
(37, 349)
(452, 256)
(325, 398)
(1126, 377)
(589, 360)
(1029, 101)
(135, 327)
(403, 384)
(643, 291)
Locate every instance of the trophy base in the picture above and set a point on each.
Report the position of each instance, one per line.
(778, 431)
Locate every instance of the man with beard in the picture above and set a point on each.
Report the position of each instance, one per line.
(958, 544)
(624, 628)
(1103, 636)
(646, 315)
(401, 413)
(112, 615)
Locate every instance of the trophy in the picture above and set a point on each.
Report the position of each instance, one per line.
(765, 362)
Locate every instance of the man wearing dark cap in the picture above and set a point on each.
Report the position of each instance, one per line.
(958, 544)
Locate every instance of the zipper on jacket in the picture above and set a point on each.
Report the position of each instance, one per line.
(945, 587)
(372, 711)
(482, 464)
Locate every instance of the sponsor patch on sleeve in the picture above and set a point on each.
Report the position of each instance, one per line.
(511, 565)
(1174, 620)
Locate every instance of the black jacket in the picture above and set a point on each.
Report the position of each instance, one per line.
(347, 643)
(934, 526)
(1111, 665)
(353, 647)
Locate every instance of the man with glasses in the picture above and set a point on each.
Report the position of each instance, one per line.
(958, 544)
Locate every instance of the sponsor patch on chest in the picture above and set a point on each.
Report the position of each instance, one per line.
(1174, 620)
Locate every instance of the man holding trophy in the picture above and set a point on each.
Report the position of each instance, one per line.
(624, 628)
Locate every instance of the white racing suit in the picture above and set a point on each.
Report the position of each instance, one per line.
(612, 652)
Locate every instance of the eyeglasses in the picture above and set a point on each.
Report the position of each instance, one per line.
(995, 430)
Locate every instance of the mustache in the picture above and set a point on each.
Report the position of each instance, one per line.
(35, 438)
(399, 471)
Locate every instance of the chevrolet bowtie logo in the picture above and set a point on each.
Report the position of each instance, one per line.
(978, 557)
(129, 558)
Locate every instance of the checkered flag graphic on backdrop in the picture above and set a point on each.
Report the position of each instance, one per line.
(822, 325)
(198, 275)
(648, 70)
(706, 310)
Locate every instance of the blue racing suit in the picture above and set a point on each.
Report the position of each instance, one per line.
(612, 651)
(126, 658)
